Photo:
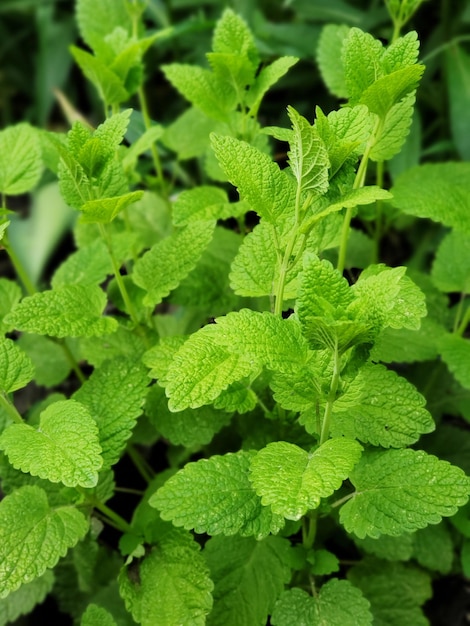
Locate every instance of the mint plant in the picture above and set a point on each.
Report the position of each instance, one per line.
(242, 333)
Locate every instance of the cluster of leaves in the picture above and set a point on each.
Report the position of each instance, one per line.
(246, 350)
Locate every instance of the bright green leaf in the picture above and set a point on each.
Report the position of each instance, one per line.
(95, 22)
(88, 266)
(16, 368)
(23, 600)
(200, 203)
(329, 49)
(400, 491)
(20, 159)
(451, 267)
(34, 536)
(105, 210)
(163, 267)
(337, 602)
(70, 311)
(214, 496)
(402, 53)
(114, 394)
(109, 86)
(395, 130)
(268, 76)
(381, 408)
(361, 55)
(293, 481)
(455, 352)
(97, 616)
(64, 448)
(51, 364)
(170, 585)
(388, 91)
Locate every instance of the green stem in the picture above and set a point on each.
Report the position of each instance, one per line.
(119, 521)
(117, 273)
(19, 269)
(463, 324)
(71, 359)
(343, 500)
(309, 530)
(325, 430)
(358, 182)
(142, 466)
(148, 123)
(378, 220)
(10, 409)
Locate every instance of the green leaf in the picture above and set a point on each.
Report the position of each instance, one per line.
(104, 210)
(458, 88)
(260, 182)
(451, 267)
(407, 346)
(10, 295)
(163, 267)
(122, 343)
(142, 144)
(389, 90)
(190, 428)
(20, 159)
(34, 536)
(71, 311)
(195, 123)
(434, 549)
(16, 368)
(97, 616)
(268, 76)
(200, 203)
(231, 349)
(254, 269)
(201, 370)
(381, 408)
(388, 298)
(109, 86)
(308, 158)
(232, 35)
(329, 49)
(88, 266)
(395, 130)
(64, 448)
(337, 602)
(51, 364)
(455, 352)
(214, 97)
(400, 491)
(95, 22)
(114, 394)
(395, 591)
(214, 496)
(361, 56)
(171, 585)
(300, 389)
(439, 191)
(402, 53)
(293, 481)
(249, 576)
(23, 600)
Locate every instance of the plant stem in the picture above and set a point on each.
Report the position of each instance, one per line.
(19, 269)
(309, 530)
(148, 123)
(378, 218)
(343, 500)
(117, 273)
(463, 324)
(325, 430)
(141, 465)
(9, 408)
(71, 359)
(119, 521)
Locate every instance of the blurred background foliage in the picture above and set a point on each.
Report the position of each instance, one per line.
(35, 61)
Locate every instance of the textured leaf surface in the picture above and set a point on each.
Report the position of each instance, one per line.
(268, 76)
(381, 408)
(434, 549)
(308, 158)
(401, 491)
(163, 267)
(215, 496)
(293, 481)
(455, 353)
(249, 576)
(20, 159)
(114, 394)
(10, 295)
(337, 602)
(260, 182)
(439, 191)
(71, 311)
(451, 267)
(395, 592)
(390, 548)
(171, 585)
(95, 22)
(104, 210)
(97, 616)
(64, 448)
(407, 346)
(395, 130)
(387, 91)
(189, 428)
(88, 266)
(24, 599)
(16, 368)
(34, 536)
(361, 55)
(200, 203)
